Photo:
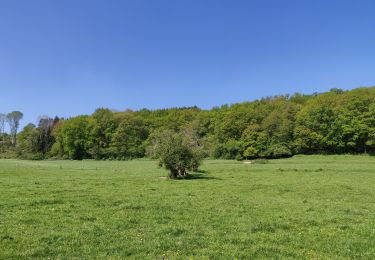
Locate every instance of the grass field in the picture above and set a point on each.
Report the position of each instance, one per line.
(302, 207)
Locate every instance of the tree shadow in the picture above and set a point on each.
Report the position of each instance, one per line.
(200, 176)
(201, 171)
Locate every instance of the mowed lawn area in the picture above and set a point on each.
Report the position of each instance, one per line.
(301, 207)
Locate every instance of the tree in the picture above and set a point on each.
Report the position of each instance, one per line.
(370, 143)
(278, 128)
(129, 138)
(57, 148)
(314, 124)
(13, 119)
(26, 142)
(44, 138)
(254, 141)
(173, 153)
(103, 128)
(75, 135)
(194, 140)
(232, 149)
(337, 121)
(3, 119)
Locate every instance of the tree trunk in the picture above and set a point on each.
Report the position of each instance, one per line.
(14, 139)
(173, 174)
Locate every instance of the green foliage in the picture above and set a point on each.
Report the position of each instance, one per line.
(44, 135)
(13, 119)
(128, 141)
(174, 153)
(251, 152)
(195, 141)
(101, 135)
(274, 127)
(26, 140)
(337, 122)
(229, 150)
(75, 137)
(3, 135)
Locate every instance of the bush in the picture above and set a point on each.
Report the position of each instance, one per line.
(279, 151)
(250, 152)
(173, 153)
(239, 157)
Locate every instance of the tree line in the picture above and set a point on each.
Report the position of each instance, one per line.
(273, 127)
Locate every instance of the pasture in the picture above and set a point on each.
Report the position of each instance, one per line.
(302, 207)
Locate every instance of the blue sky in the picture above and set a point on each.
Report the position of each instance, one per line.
(69, 57)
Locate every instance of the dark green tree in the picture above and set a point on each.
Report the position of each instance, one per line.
(129, 138)
(103, 127)
(76, 137)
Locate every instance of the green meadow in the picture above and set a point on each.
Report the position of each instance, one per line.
(302, 207)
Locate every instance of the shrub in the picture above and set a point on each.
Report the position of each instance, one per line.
(173, 153)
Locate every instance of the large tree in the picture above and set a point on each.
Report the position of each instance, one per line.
(75, 137)
(129, 139)
(13, 119)
(3, 119)
(26, 143)
(103, 127)
(44, 138)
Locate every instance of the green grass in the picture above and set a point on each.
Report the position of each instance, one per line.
(302, 207)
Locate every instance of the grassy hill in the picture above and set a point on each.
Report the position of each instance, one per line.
(301, 207)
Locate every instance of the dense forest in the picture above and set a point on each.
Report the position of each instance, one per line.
(333, 122)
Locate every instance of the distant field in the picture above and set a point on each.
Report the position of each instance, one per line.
(302, 207)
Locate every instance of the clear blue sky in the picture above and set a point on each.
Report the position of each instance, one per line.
(69, 57)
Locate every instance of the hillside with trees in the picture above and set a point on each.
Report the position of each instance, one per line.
(334, 122)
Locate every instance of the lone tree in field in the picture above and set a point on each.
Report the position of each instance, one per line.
(173, 153)
(13, 119)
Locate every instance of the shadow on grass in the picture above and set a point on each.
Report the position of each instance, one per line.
(200, 176)
(201, 171)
